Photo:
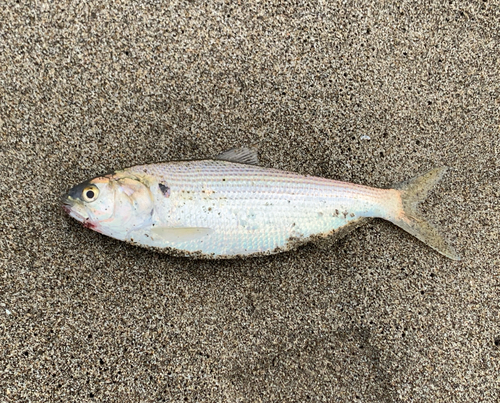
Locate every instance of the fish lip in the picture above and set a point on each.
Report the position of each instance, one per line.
(67, 204)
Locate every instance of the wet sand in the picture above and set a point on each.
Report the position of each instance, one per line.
(357, 92)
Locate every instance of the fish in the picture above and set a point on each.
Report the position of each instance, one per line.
(231, 207)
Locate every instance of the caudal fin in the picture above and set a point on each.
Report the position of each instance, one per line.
(412, 193)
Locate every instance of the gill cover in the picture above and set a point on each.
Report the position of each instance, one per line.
(132, 206)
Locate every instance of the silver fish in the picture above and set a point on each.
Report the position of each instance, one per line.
(229, 207)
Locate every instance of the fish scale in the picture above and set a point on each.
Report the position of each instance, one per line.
(251, 209)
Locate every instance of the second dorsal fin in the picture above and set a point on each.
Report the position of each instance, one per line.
(241, 155)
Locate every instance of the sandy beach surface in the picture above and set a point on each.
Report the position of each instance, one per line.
(357, 91)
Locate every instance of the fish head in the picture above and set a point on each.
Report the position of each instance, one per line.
(113, 204)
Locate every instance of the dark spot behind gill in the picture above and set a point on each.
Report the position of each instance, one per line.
(165, 190)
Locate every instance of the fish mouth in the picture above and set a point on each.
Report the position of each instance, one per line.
(66, 202)
(68, 205)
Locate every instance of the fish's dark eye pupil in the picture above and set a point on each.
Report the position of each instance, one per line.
(90, 194)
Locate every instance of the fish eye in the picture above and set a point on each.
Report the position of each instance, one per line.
(90, 193)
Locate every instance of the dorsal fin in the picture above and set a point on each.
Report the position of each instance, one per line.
(241, 155)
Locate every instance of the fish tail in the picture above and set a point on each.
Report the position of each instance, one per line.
(413, 192)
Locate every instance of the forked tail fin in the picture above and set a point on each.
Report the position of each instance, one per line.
(412, 193)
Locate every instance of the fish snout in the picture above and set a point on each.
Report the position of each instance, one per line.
(71, 206)
(66, 201)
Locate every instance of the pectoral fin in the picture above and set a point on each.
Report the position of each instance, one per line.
(179, 234)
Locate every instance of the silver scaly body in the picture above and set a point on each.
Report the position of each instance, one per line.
(245, 209)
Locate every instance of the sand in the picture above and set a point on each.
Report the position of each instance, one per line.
(356, 91)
